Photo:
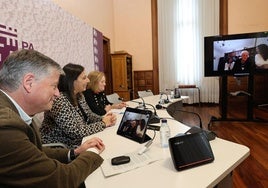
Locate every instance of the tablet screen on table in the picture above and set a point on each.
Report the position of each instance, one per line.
(134, 123)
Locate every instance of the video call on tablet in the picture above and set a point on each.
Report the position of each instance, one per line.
(134, 124)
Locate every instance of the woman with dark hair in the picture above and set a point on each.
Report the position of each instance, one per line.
(70, 118)
(261, 57)
(140, 128)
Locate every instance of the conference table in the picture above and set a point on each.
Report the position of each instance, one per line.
(161, 173)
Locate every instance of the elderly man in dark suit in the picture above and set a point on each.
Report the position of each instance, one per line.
(243, 64)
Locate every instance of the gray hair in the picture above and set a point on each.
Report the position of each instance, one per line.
(22, 62)
(244, 52)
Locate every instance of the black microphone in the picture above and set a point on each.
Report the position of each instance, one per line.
(189, 112)
(141, 104)
(163, 101)
(120, 99)
(154, 118)
(159, 106)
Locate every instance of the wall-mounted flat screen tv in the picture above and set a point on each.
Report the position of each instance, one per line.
(236, 54)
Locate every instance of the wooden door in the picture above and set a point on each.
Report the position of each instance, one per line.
(119, 73)
(107, 65)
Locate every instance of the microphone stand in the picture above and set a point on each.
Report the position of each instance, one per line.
(196, 114)
(141, 104)
(154, 117)
(163, 101)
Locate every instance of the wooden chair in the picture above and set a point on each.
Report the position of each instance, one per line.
(114, 98)
(145, 93)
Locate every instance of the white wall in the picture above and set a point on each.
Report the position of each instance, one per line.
(247, 16)
(127, 23)
(96, 13)
(133, 31)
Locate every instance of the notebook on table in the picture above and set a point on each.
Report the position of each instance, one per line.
(134, 124)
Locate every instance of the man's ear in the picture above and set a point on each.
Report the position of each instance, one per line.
(27, 82)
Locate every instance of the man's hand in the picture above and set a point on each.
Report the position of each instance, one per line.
(91, 143)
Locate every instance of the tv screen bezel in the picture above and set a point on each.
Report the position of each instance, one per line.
(209, 53)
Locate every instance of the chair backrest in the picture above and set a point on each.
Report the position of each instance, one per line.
(188, 118)
(114, 98)
(145, 93)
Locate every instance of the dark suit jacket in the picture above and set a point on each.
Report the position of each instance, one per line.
(247, 66)
(221, 64)
(23, 161)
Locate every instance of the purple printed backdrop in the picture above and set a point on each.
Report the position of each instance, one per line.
(98, 50)
(8, 41)
(44, 26)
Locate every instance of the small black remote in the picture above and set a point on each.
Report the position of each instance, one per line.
(120, 160)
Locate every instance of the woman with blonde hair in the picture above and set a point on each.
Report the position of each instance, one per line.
(95, 95)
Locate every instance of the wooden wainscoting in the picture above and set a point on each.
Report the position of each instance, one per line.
(143, 80)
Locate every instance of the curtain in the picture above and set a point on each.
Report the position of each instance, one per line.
(182, 26)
